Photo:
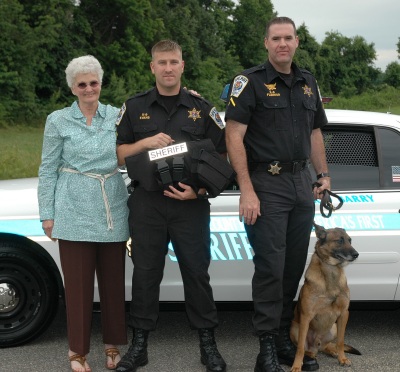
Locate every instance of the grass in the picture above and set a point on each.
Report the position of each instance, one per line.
(386, 99)
(20, 152)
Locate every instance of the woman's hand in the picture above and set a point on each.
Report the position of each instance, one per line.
(47, 226)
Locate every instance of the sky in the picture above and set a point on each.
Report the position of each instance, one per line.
(377, 21)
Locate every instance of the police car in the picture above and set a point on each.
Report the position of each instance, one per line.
(364, 163)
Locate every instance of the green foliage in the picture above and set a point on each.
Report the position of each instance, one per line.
(349, 65)
(247, 41)
(210, 81)
(122, 33)
(307, 53)
(17, 82)
(115, 92)
(398, 48)
(219, 39)
(35, 43)
(208, 62)
(392, 75)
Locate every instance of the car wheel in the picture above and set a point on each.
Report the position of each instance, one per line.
(28, 295)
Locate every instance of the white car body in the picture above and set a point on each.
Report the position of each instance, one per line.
(370, 214)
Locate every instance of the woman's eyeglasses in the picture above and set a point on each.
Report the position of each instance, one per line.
(93, 84)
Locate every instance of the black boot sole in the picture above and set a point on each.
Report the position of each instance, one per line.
(142, 364)
(204, 362)
(137, 365)
(257, 369)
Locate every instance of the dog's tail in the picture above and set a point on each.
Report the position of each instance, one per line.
(351, 350)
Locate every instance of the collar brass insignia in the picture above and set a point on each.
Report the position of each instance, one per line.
(144, 116)
(307, 90)
(274, 169)
(194, 114)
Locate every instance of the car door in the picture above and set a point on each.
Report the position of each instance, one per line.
(364, 165)
(364, 162)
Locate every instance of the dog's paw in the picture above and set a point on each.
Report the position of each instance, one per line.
(345, 362)
(295, 369)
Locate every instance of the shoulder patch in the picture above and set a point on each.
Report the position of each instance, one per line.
(214, 114)
(239, 83)
(121, 114)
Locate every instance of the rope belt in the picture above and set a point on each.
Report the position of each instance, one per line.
(102, 178)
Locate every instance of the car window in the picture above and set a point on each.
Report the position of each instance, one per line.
(389, 144)
(352, 157)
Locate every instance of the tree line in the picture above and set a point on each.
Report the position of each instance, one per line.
(219, 39)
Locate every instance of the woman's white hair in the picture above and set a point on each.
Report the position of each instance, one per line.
(83, 65)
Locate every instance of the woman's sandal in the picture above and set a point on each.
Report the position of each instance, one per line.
(112, 353)
(80, 359)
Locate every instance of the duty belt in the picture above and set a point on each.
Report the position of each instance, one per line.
(276, 167)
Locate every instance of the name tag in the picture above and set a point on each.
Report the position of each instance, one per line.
(179, 148)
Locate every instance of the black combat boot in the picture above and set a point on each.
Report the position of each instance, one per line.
(287, 351)
(136, 356)
(267, 360)
(210, 355)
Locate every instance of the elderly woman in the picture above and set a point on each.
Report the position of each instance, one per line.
(82, 203)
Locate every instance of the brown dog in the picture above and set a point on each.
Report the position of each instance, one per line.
(321, 312)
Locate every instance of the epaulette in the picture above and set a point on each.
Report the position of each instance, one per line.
(254, 69)
(198, 97)
(304, 71)
(140, 94)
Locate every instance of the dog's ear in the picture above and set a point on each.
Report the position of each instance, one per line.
(320, 232)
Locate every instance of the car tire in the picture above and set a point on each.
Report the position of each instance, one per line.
(28, 295)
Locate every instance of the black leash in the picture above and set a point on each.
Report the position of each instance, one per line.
(326, 201)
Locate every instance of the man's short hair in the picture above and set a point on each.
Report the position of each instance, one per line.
(279, 21)
(166, 46)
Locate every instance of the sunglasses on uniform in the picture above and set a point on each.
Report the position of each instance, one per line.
(93, 84)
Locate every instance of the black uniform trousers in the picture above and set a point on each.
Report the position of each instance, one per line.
(280, 239)
(154, 221)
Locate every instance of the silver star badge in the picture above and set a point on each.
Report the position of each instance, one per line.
(274, 169)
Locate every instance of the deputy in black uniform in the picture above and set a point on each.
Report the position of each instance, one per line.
(162, 116)
(274, 116)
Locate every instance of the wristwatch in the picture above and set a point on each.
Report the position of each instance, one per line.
(322, 175)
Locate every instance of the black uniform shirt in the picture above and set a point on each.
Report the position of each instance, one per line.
(280, 118)
(144, 115)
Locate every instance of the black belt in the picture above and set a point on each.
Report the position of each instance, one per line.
(276, 167)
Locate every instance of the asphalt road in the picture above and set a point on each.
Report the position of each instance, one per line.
(174, 347)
